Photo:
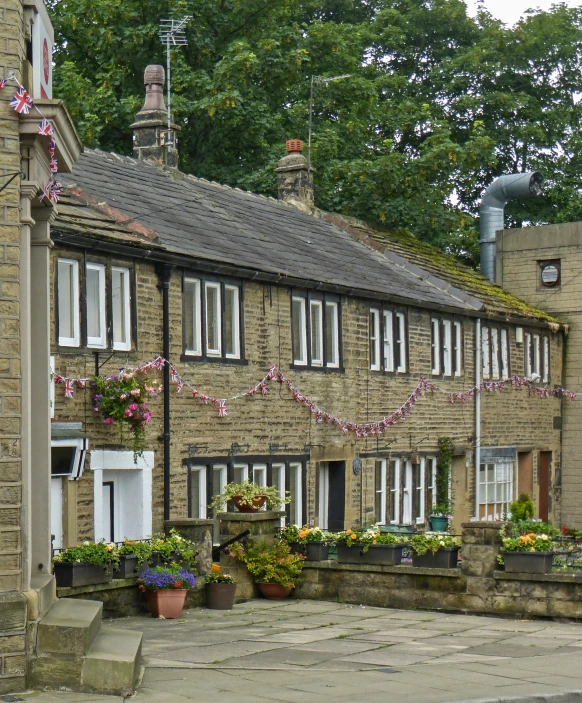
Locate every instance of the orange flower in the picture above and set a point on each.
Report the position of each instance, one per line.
(348, 532)
(215, 568)
(354, 536)
(303, 533)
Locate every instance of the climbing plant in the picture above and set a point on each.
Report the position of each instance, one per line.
(443, 473)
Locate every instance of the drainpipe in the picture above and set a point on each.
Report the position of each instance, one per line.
(477, 413)
(491, 211)
(165, 274)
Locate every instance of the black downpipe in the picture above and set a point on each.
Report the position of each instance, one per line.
(165, 274)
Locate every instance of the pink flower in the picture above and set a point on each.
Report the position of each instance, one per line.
(133, 406)
(123, 396)
(96, 410)
(128, 412)
(108, 421)
(144, 406)
(147, 416)
(135, 391)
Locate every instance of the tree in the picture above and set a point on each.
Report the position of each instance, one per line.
(437, 104)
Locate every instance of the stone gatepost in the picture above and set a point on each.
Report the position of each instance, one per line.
(262, 525)
(199, 532)
(481, 544)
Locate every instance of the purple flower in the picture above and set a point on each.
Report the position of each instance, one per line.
(127, 412)
(108, 421)
(133, 406)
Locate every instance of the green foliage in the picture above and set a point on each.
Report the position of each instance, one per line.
(173, 547)
(522, 508)
(539, 527)
(527, 543)
(215, 577)
(431, 542)
(248, 492)
(351, 538)
(98, 553)
(269, 563)
(443, 476)
(142, 550)
(437, 103)
(293, 534)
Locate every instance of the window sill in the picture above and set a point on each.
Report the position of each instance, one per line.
(381, 372)
(318, 369)
(188, 358)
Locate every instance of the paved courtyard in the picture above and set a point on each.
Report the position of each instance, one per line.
(298, 651)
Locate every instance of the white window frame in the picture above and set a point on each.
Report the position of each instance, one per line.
(52, 385)
(374, 333)
(401, 342)
(546, 360)
(495, 348)
(217, 351)
(332, 320)
(297, 468)
(407, 517)
(235, 320)
(485, 353)
(202, 497)
(528, 354)
(316, 319)
(302, 361)
(222, 468)
(504, 347)
(388, 341)
(447, 348)
(420, 493)
(99, 341)
(458, 348)
(244, 472)
(432, 462)
(80, 445)
(435, 341)
(395, 492)
(259, 470)
(126, 276)
(197, 323)
(536, 356)
(323, 478)
(382, 492)
(278, 471)
(73, 265)
(506, 470)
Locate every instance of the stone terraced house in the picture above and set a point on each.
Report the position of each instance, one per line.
(150, 261)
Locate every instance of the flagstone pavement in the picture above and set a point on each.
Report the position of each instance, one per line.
(299, 651)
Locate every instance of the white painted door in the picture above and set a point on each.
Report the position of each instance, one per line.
(108, 511)
(57, 511)
(407, 495)
(323, 479)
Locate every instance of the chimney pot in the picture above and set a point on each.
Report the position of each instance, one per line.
(296, 178)
(294, 146)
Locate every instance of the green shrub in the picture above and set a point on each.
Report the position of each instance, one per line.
(523, 508)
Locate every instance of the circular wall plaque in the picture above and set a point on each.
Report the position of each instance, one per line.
(357, 465)
(550, 274)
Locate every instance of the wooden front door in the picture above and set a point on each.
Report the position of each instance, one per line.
(544, 470)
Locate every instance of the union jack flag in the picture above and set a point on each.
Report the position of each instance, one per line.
(179, 386)
(344, 429)
(264, 389)
(319, 417)
(51, 147)
(252, 391)
(21, 102)
(174, 375)
(451, 398)
(57, 378)
(204, 398)
(297, 396)
(159, 362)
(572, 396)
(3, 82)
(272, 372)
(53, 165)
(222, 411)
(82, 382)
(194, 392)
(358, 433)
(69, 388)
(45, 128)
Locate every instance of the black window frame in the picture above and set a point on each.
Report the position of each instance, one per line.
(499, 327)
(268, 460)
(223, 281)
(396, 310)
(324, 298)
(454, 321)
(109, 262)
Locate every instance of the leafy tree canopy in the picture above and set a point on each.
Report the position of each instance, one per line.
(436, 105)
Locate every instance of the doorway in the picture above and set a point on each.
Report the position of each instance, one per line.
(109, 511)
(544, 471)
(331, 484)
(56, 513)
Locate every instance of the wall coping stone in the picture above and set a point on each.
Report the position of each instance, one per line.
(250, 517)
(188, 522)
(95, 587)
(491, 524)
(402, 569)
(552, 578)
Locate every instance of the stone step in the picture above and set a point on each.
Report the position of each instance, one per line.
(112, 664)
(70, 627)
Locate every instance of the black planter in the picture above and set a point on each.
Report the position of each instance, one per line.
(297, 548)
(73, 574)
(350, 555)
(445, 558)
(384, 554)
(317, 551)
(220, 596)
(528, 562)
(128, 567)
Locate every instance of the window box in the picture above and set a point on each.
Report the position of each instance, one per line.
(128, 567)
(445, 558)
(377, 554)
(317, 551)
(74, 574)
(528, 562)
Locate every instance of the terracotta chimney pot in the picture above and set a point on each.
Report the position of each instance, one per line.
(294, 146)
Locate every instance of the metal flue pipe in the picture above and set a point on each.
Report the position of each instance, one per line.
(504, 188)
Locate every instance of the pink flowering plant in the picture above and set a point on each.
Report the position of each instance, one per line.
(123, 400)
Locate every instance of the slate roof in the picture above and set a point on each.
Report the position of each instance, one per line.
(142, 204)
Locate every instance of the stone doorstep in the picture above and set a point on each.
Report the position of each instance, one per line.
(42, 596)
(112, 664)
(332, 565)
(70, 627)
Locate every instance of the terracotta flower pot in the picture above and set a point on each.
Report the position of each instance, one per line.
(167, 604)
(220, 596)
(257, 504)
(274, 591)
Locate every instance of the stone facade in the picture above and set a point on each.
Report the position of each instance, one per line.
(520, 256)
(275, 426)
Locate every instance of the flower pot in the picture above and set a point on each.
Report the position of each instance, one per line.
(383, 554)
(445, 558)
(257, 504)
(317, 551)
(439, 524)
(350, 555)
(128, 567)
(220, 596)
(73, 574)
(274, 591)
(167, 604)
(297, 548)
(528, 562)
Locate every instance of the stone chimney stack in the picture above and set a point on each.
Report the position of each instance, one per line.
(295, 178)
(150, 129)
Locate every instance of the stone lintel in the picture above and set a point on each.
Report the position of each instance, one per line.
(188, 522)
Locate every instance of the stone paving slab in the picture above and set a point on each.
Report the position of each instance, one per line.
(301, 651)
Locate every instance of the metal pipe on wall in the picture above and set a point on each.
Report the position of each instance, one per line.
(477, 413)
(165, 274)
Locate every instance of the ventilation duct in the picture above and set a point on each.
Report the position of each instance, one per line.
(504, 188)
